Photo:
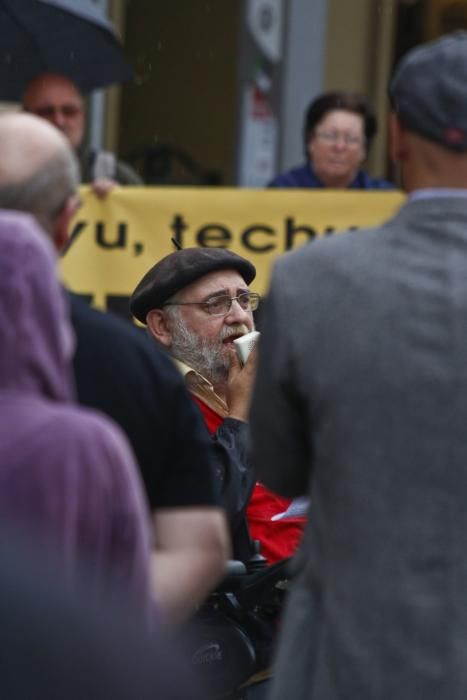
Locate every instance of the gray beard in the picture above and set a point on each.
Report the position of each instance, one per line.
(209, 359)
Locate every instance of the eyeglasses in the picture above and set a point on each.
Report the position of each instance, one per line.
(221, 305)
(333, 137)
(69, 111)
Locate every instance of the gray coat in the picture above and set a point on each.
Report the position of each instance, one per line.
(361, 400)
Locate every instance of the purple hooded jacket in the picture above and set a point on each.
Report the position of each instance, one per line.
(67, 476)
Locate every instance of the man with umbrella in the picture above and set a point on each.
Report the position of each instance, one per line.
(57, 98)
(52, 53)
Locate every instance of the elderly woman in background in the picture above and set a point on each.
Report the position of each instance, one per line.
(338, 131)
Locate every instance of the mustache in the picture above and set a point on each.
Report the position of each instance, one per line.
(237, 329)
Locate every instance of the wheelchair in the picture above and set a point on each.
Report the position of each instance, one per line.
(232, 637)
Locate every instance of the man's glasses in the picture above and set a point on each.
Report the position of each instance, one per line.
(333, 137)
(221, 305)
(69, 111)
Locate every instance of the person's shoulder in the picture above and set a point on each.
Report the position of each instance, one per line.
(80, 309)
(105, 325)
(368, 182)
(82, 312)
(328, 250)
(123, 344)
(295, 177)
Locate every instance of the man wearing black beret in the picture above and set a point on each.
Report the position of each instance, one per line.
(195, 302)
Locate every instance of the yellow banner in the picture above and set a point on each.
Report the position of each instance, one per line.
(116, 240)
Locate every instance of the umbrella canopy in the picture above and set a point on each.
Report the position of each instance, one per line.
(57, 36)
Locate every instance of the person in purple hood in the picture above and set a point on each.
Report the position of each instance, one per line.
(67, 477)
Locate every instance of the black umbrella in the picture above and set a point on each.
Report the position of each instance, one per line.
(57, 36)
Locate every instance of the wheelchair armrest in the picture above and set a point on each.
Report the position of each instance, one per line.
(235, 573)
(235, 567)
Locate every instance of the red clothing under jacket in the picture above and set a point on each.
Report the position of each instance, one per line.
(279, 538)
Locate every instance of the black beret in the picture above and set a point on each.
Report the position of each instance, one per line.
(178, 270)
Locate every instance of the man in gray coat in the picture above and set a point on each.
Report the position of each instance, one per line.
(361, 401)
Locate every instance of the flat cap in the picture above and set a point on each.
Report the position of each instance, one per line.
(178, 270)
(429, 91)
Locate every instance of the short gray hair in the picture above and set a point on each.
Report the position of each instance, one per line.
(44, 193)
(172, 313)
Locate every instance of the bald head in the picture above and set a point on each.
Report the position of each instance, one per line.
(38, 169)
(57, 99)
(27, 144)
